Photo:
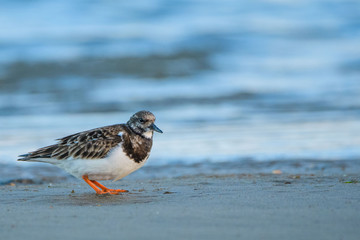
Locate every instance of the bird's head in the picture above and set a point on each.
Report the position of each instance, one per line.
(143, 123)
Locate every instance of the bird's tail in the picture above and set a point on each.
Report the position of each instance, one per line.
(24, 157)
(40, 155)
(27, 158)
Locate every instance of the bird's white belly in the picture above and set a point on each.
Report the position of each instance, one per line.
(114, 167)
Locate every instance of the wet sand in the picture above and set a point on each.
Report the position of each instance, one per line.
(238, 206)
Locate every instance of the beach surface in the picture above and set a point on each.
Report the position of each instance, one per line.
(199, 206)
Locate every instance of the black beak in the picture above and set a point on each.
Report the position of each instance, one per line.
(155, 128)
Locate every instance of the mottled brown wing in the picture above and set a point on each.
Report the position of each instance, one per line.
(92, 144)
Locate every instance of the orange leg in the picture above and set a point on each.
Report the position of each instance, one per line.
(104, 190)
(107, 189)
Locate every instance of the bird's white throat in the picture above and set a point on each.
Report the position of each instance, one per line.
(148, 134)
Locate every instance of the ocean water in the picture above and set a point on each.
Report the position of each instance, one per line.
(229, 81)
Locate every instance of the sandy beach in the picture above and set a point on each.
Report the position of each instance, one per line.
(236, 206)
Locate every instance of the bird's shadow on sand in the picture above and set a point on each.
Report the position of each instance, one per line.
(94, 199)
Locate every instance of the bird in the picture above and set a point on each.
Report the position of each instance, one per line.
(105, 153)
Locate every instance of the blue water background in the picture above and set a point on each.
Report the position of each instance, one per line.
(227, 80)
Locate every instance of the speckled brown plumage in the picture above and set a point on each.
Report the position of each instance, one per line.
(98, 142)
(91, 144)
(135, 146)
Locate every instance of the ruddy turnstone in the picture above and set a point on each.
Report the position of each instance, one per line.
(105, 153)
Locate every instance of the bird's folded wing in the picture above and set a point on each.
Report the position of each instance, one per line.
(91, 144)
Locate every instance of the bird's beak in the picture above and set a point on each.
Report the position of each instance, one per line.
(155, 128)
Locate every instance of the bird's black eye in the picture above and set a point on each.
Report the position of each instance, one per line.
(141, 120)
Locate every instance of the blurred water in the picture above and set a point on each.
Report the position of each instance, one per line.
(227, 80)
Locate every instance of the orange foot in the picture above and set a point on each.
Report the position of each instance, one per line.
(104, 190)
(110, 191)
